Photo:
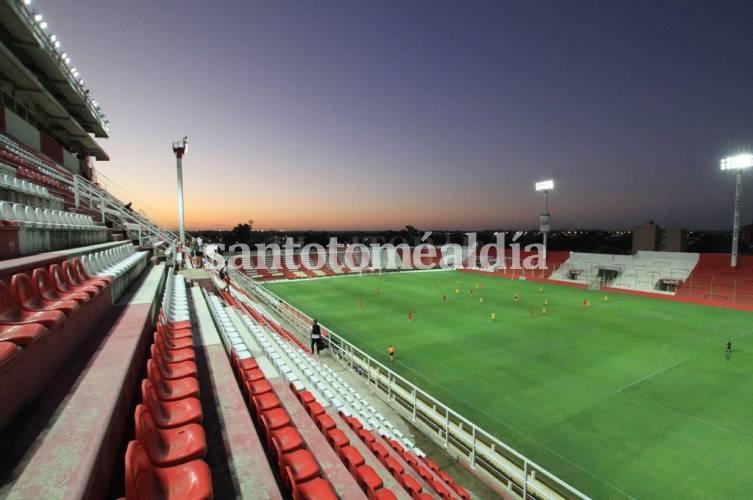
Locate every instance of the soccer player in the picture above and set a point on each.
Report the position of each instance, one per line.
(391, 352)
(471, 292)
(606, 299)
(444, 298)
(410, 316)
(586, 304)
(378, 292)
(543, 311)
(481, 300)
(360, 304)
(541, 289)
(516, 298)
(546, 302)
(494, 316)
(728, 349)
(533, 312)
(457, 291)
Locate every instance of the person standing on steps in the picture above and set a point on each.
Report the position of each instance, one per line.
(316, 337)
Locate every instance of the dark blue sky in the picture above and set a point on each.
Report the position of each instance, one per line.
(436, 114)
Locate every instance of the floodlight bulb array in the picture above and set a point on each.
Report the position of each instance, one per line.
(738, 162)
(545, 185)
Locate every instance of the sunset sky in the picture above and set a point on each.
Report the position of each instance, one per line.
(333, 115)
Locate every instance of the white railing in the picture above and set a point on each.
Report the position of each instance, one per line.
(458, 435)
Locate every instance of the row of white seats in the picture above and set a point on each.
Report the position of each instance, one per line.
(122, 263)
(229, 333)
(23, 186)
(323, 379)
(47, 218)
(44, 230)
(175, 301)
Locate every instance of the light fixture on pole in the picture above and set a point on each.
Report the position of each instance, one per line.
(737, 163)
(179, 148)
(545, 220)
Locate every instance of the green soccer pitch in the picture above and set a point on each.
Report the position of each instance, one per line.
(633, 398)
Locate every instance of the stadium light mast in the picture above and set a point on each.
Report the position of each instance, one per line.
(545, 221)
(179, 148)
(737, 163)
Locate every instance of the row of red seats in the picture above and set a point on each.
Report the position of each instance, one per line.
(300, 472)
(444, 488)
(365, 475)
(165, 461)
(33, 306)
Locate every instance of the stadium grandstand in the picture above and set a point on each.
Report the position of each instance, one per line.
(133, 365)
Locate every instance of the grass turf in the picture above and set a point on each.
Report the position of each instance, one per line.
(631, 399)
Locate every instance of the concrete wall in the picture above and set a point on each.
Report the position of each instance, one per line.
(22, 130)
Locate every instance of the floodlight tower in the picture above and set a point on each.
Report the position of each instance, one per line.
(737, 163)
(179, 148)
(545, 221)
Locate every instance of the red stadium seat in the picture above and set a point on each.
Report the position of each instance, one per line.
(395, 445)
(368, 479)
(324, 422)
(258, 387)
(462, 492)
(337, 439)
(73, 280)
(264, 402)
(366, 436)
(446, 478)
(393, 466)
(28, 297)
(305, 397)
(170, 414)
(410, 459)
(441, 489)
(314, 409)
(275, 418)
(424, 473)
(169, 343)
(62, 285)
(431, 464)
(284, 440)
(40, 278)
(379, 450)
(246, 364)
(8, 353)
(12, 314)
(22, 335)
(171, 371)
(351, 457)
(354, 423)
(385, 494)
(301, 464)
(171, 390)
(316, 489)
(143, 481)
(410, 484)
(84, 276)
(253, 375)
(173, 355)
(174, 333)
(167, 447)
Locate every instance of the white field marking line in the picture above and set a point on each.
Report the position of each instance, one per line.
(544, 447)
(668, 367)
(691, 416)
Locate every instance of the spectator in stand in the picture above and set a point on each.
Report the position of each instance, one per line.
(226, 278)
(316, 337)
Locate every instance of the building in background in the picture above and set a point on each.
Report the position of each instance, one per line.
(651, 236)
